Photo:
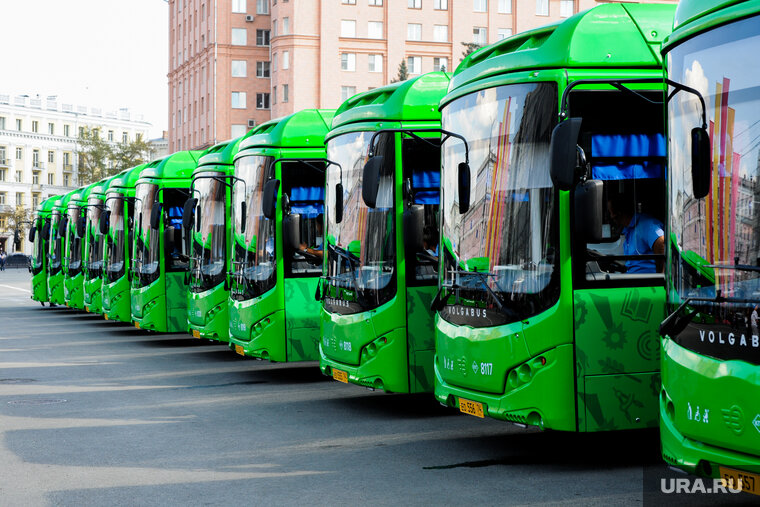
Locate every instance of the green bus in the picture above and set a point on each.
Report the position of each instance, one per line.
(94, 241)
(550, 294)
(382, 201)
(39, 236)
(710, 397)
(213, 180)
(116, 223)
(160, 263)
(277, 230)
(57, 249)
(74, 259)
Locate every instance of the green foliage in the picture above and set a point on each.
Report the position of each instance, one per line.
(15, 218)
(469, 47)
(403, 72)
(99, 158)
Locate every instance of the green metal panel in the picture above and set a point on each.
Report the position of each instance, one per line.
(40, 260)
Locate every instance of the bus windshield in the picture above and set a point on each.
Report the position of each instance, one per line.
(209, 244)
(75, 242)
(146, 254)
(39, 243)
(115, 253)
(501, 253)
(95, 238)
(361, 249)
(55, 242)
(254, 260)
(716, 240)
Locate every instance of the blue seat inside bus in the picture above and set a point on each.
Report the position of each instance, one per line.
(627, 156)
(427, 186)
(175, 216)
(307, 201)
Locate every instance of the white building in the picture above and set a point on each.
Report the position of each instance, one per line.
(38, 150)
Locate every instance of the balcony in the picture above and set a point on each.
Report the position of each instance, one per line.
(68, 168)
(5, 162)
(38, 166)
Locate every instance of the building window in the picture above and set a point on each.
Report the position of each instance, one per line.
(66, 161)
(236, 131)
(2, 174)
(566, 8)
(81, 131)
(441, 33)
(348, 28)
(124, 137)
(348, 61)
(51, 156)
(2, 201)
(274, 28)
(285, 92)
(262, 69)
(479, 35)
(2, 122)
(2, 156)
(286, 26)
(35, 126)
(480, 5)
(110, 135)
(19, 153)
(239, 68)
(542, 7)
(274, 94)
(19, 198)
(414, 64)
(375, 63)
(285, 60)
(503, 33)
(238, 6)
(19, 177)
(348, 2)
(274, 62)
(66, 180)
(36, 158)
(19, 125)
(239, 37)
(66, 130)
(378, 3)
(35, 200)
(51, 179)
(262, 101)
(346, 92)
(440, 64)
(51, 129)
(35, 178)
(413, 31)
(262, 37)
(238, 100)
(414, 4)
(375, 30)
(441, 5)
(505, 6)
(262, 6)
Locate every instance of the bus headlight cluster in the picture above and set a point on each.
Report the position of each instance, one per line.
(370, 350)
(524, 373)
(212, 313)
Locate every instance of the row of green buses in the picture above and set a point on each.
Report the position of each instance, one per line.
(562, 233)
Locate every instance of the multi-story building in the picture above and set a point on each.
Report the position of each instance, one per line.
(322, 52)
(38, 150)
(219, 71)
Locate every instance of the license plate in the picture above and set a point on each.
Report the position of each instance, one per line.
(137, 325)
(734, 479)
(196, 333)
(105, 316)
(471, 407)
(87, 309)
(239, 349)
(340, 376)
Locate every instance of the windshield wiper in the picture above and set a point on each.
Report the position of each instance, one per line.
(354, 261)
(674, 325)
(737, 267)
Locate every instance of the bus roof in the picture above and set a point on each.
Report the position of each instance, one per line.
(606, 36)
(177, 165)
(411, 100)
(222, 153)
(46, 206)
(693, 16)
(127, 178)
(305, 129)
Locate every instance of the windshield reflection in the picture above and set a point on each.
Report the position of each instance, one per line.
(146, 253)
(55, 243)
(74, 251)
(95, 239)
(209, 244)
(116, 239)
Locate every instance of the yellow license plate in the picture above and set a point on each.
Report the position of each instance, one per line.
(196, 333)
(239, 349)
(736, 479)
(137, 325)
(105, 316)
(340, 376)
(86, 309)
(471, 407)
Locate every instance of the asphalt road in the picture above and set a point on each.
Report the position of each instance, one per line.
(97, 413)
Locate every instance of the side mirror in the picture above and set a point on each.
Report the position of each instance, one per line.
(155, 216)
(564, 153)
(269, 201)
(414, 224)
(187, 213)
(32, 233)
(291, 231)
(63, 226)
(46, 230)
(589, 205)
(105, 220)
(243, 216)
(463, 179)
(81, 227)
(371, 180)
(700, 162)
(338, 203)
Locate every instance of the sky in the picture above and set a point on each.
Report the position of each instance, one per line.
(107, 54)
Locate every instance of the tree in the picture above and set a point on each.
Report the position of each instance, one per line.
(443, 68)
(12, 219)
(126, 155)
(469, 47)
(94, 154)
(403, 72)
